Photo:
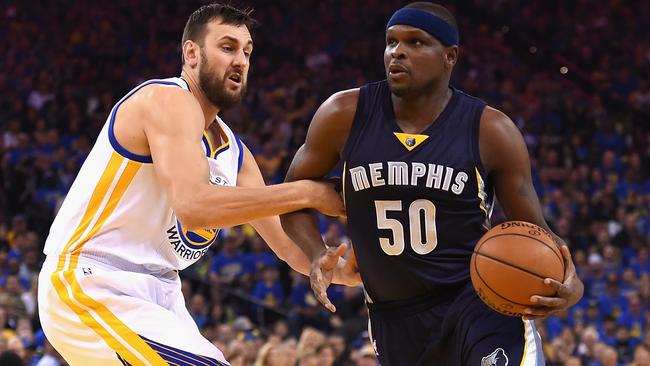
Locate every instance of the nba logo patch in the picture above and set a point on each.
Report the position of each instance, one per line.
(496, 358)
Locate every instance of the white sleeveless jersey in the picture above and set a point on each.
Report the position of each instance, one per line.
(117, 212)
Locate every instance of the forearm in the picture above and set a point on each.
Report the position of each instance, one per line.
(287, 250)
(271, 231)
(299, 262)
(218, 207)
(302, 228)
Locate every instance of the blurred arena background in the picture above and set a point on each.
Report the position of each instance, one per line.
(573, 75)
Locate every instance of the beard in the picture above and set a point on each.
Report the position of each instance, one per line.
(214, 86)
(399, 90)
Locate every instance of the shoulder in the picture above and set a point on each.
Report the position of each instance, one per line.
(499, 139)
(333, 119)
(342, 104)
(496, 125)
(162, 97)
(159, 107)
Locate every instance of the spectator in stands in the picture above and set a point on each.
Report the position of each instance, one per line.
(229, 266)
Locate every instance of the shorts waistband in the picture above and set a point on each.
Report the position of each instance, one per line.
(408, 307)
(112, 263)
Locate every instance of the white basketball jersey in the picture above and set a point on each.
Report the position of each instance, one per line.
(117, 212)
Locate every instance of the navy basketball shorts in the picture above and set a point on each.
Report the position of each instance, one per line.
(455, 330)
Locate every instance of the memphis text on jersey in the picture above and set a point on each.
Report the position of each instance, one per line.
(399, 173)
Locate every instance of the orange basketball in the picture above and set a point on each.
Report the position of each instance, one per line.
(510, 263)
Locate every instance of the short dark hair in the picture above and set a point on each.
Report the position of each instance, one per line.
(195, 27)
(437, 10)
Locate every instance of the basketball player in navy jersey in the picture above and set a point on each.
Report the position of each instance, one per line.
(421, 160)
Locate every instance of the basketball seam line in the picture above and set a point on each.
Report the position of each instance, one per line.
(493, 291)
(525, 236)
(512, 265)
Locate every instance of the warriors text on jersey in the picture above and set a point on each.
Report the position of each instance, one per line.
(416, 203)
(117, 212)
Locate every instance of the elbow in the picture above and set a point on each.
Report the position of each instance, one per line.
(189, 220)
(187, 213)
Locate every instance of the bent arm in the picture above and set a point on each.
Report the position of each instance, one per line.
(505, 157)
(174, 125)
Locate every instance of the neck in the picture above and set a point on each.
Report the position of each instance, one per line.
(209, 109)
(415, 112)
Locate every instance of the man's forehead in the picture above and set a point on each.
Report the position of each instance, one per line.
(217, 30)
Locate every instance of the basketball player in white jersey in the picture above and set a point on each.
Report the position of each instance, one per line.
(164, 174)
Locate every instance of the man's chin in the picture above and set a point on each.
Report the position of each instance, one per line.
(399, 90)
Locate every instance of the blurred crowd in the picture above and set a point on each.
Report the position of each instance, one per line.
(572, 76)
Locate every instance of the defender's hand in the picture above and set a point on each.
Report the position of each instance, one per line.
(322, 271)
(325, 198)
(566, 294)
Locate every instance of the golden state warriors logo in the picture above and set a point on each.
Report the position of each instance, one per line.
(190, 244)
(197, 239)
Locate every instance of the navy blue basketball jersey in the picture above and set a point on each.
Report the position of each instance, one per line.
(416, 203)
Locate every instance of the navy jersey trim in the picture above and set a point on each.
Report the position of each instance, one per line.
(240, 159)
(206, 144)
(476, 142)
(187, 84)
(147, 159)
(436, 124)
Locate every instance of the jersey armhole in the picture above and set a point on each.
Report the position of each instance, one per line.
(357, 123)
(476, 140)
(111, 133)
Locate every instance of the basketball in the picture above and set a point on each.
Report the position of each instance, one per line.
(510, 263)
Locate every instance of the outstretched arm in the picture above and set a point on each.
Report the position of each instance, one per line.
(271, 230)
(505, 157)
(320, 153)
(173, 124)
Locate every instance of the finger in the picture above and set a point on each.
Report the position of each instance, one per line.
(537, 312)
(332, 255)
(352, 257)
(569, 267)
(319, 288)
(322, 297)
(534, 317)
(556, 303)
(554, 284)
(341, 249)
